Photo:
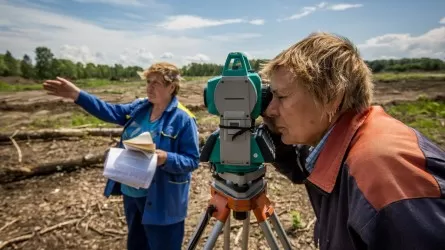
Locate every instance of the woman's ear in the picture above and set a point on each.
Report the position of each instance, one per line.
(171, 88)
(335, 107)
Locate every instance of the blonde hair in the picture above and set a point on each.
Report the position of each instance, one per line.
(169, 71)
(328, 66)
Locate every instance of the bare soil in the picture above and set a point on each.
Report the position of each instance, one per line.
(67, 210)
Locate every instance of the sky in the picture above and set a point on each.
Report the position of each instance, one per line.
(141, 32)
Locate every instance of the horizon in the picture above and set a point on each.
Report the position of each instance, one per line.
(139, 33)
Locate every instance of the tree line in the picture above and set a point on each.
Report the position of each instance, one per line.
(46, 66)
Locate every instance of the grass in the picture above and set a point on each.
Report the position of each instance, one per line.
(425, 115)
(74, 119)
(419, 76)
(82, 83)
(196, 78)
(94, 83)
(5, 87)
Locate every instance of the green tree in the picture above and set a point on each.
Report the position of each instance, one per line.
(44, 62)
(3, 68)
(26, 67)
(11, 65)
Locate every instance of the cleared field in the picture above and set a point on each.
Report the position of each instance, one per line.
(73, 199)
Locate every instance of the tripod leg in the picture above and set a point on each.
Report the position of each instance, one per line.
(270, 237)
(227, 234)
(246, 225)
(221, 213)
(202, 224)
(214, 235)
(280, 231)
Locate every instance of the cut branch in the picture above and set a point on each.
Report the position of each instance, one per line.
(8, 224)
(57, 133)
(19, 152)
(29, 236)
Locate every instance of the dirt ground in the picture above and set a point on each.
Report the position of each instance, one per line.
(67, 210)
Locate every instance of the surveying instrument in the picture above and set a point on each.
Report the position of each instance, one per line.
(236, 153)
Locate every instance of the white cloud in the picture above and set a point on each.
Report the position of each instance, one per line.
(199, 58)
(115, 2)
(182, 22)
(235, 37)
(344, 6)
(442, 21)
(322, 5)
(167, 55)
(257, 22)
(306, 11)
(79, 54)
(190, 22)
(82, 41)
(429, 44)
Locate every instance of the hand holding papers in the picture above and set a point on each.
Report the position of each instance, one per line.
(142, 142)
(135, 165)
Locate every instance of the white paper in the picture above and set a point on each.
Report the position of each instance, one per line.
(134, 168)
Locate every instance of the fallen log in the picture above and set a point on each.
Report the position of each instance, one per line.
(19, 173)
(57, 133)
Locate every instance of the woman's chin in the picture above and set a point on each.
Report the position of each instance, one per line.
(289, 140)
(286, 139)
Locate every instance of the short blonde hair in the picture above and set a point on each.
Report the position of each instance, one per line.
(169, 71)
(329, 66)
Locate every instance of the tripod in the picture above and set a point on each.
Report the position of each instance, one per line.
(249, 195)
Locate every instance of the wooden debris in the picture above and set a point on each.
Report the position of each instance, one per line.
(51, 167)
(43, 231)
(51, 134)
(19, 152)
(8, 224)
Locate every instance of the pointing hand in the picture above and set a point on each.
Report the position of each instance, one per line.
(62, 88)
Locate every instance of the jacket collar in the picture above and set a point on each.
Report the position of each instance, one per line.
(170, 107)
(325, 172)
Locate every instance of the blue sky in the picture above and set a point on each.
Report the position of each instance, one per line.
(140, 32)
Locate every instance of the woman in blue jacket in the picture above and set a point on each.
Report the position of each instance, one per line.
(155, 216)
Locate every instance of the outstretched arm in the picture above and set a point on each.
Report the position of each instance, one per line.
(113, 113)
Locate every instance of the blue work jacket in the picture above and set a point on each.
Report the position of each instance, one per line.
(167, 198)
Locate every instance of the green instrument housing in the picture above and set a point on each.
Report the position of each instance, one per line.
(236, 65)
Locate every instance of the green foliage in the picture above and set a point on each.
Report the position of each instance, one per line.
(26, 67)
(296, 220)
(11, 65)
(211, 69)
(425, 115)
(47, 67)
(4, 87)
(74, 119)
(419, 76)
(44, 63)
(79, 119)
(406, 65)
